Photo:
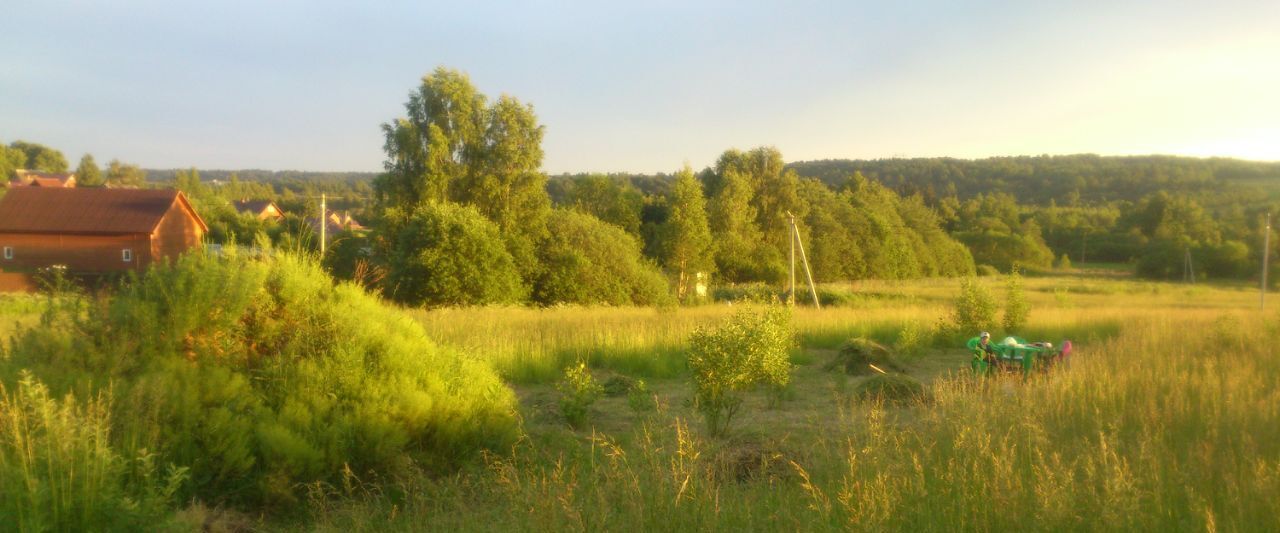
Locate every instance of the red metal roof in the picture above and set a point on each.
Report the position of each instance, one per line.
(88, 211)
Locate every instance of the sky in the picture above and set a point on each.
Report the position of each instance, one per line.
(644, 86)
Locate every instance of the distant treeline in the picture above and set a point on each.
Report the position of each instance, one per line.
(1067, 180)
(1151, 211)
(887, 218)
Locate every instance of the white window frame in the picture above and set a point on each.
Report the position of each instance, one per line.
(127, 255)
(8, 252)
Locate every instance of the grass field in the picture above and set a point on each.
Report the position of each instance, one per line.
(1168, 419)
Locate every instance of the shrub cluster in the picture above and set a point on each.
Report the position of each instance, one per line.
(751, 349)
(261, 375)
(1016, 308)
(578, 390)
(587, 261)
(975, 308)
(449, 254)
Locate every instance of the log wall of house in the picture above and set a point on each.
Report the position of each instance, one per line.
(176, 233)
(80, 253)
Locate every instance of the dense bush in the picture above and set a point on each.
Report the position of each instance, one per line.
(261, 375)
(587, 261)
(752, 349)
(449, 254)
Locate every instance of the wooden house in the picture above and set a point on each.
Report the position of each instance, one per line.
(31, 178)
(260, 209)
(94, 230)
(334, 224)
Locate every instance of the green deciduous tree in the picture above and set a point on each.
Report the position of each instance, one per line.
(738, 243)
(88, 174)
(453, 145)
(613, 200)
(40, 157)
(686, 235)
(435, 144)
(11, 159)
(755, 192)
(188, 181)
(125, 175)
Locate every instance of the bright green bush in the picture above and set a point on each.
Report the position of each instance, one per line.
(450, 254)
(587, 261)
(1016, 307)
(974, 309)
(58, 471)
(261, 375)
(578, 390)
(751, 349)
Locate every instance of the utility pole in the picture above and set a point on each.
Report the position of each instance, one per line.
(795, 241)
(324, 225)
(1266, 254)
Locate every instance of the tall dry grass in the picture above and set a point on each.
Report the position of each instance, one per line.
(1170, 422)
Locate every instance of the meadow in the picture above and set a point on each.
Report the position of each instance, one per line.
(1166, 418)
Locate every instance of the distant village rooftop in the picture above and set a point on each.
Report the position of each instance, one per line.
(32, 178)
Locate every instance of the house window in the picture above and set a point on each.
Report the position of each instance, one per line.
(127, 255)
(8, 252)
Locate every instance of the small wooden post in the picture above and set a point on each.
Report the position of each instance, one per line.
(324, 225)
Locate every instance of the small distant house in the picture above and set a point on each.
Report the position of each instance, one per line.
(335, 223)
(31, 178)
(95, 230)
(260, 209)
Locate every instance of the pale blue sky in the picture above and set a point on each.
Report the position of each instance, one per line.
(645, 86)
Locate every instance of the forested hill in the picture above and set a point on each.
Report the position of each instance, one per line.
(266, 176)
(1066, 179)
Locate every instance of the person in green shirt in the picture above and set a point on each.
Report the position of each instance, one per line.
(982, 349)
